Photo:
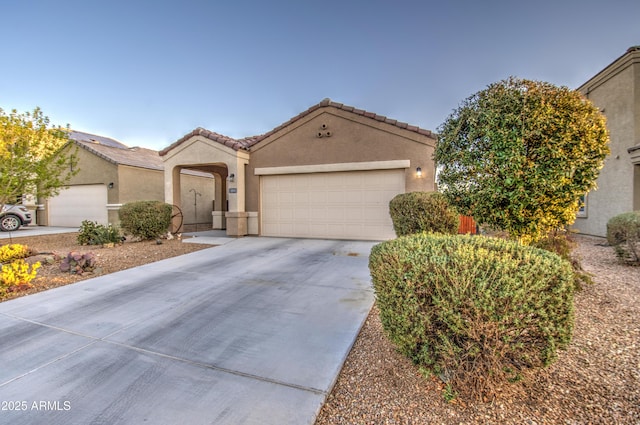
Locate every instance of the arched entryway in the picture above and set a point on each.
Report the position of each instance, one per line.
(181, 191)
(205, 152)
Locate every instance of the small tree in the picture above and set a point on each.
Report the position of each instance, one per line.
(518, 155)
(29, 159)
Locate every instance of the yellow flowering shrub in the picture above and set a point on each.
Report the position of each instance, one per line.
(13, 252)
(18, 273)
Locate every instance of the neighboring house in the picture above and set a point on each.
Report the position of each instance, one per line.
(112, 174)
(329, 172)
(616, 92)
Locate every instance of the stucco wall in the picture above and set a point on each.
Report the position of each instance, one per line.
(140, 184)
(95, 170)
(616, 91)
(132, 184)
(91, 170)
(352, 139)
(206, 189)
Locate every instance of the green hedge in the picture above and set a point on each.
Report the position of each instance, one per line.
(623, 234)
(476, 311)
(145, 219)
(417, 212)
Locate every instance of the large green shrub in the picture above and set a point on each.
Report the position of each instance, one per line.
(519, 155)
(623, 234)
(417, 212)
(476, 311)
(145, 219)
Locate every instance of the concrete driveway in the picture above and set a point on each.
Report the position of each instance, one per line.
(36, 231)
(252, 332)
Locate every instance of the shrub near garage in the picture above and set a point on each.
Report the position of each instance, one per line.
(478, 312)
(623, 234)
(145, 219)
(92, 233)
(417, 212)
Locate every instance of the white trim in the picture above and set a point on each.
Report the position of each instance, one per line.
(330, 168)
(113, 207)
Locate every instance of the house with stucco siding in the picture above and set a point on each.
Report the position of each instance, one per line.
(328, 172)
(616, 92)
(111, 174)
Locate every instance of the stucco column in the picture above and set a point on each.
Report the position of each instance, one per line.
(236, 216)
(219, 201)
(172, 190)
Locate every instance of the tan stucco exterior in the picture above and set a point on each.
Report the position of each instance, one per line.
(352, 139)
(201, 154)
(92, 170)
(616, 92)
(327, 135)
(130, 183)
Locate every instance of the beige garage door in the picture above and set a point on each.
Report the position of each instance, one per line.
(77, 203)
(339, 205)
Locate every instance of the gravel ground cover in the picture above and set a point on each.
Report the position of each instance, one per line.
(595, 381)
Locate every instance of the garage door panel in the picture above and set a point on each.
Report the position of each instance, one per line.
(75, 204)
(342, 205)
(301, 197)
(318, 199)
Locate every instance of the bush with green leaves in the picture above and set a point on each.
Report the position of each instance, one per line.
(623, 234)
(145, 219)
(519, 155)
(478, 312)
(92, 233)
(417, 212)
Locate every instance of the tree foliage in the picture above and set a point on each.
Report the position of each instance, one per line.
(519, 155)
(29, 156)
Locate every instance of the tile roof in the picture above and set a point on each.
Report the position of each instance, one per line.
(120, 154)
(247, 142)
(80, 136)
(134, 157)
(235, 144)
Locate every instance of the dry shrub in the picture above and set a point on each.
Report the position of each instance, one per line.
(477, 312)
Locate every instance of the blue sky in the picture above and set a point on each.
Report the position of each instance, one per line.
(148, 72)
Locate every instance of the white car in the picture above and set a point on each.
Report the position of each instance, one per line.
(13, 216)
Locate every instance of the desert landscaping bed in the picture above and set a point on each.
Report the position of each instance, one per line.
(595, 381)
(108, 259)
